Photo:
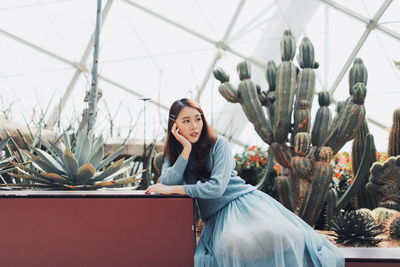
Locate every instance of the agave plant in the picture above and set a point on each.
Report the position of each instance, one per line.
(353, 228)
(5, 158)
(78, 165)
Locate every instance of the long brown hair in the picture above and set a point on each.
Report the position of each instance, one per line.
(200, 150)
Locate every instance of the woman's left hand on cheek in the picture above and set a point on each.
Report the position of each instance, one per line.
(159, 188)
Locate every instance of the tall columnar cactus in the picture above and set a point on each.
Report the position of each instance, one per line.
(394, 136)
(322, 120)
(285, 88)
(364, 198)
(251, 104)
(271, 94)
(306, 173)
(321, 178)
(305, 87)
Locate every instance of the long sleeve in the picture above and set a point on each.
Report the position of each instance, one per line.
(220, 174)
(173, 175)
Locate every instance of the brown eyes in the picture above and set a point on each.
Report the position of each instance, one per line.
(186, 121)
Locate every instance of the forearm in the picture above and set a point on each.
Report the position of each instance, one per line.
(178, 190)
(186, 152)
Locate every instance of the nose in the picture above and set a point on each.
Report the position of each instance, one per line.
(193, 125)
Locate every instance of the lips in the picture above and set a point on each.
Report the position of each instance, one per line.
(194, 135)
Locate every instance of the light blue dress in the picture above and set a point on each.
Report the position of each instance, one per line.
(244, 226)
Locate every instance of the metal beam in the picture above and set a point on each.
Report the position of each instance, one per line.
(370, 26)
(200, 91)
(170, 21)
(35, 47)
(233, 21)
(361, 18)
(218, 53)
(83, 69)
(54, 115)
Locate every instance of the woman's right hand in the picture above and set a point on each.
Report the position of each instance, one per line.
(181, 139)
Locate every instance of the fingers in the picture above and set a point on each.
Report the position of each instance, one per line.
(149, 190)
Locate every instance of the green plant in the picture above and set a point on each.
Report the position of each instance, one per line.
(394, 227)
(290, 95)
(355, 229)
(79, 165)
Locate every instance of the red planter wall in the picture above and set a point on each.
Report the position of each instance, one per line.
(96, 231)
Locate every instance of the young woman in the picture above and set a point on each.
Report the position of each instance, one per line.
(244, 226)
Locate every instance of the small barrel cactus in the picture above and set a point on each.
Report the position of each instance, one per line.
(383, 215)
(394, 227)
(366, 212)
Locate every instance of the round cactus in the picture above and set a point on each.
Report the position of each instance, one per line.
(366, 212)
(394, 227)
(383, 215)
(384, 181)
(325, 154)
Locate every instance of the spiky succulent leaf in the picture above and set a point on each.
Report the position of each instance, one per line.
(49, 159)
(96, 157)
(3, 143)
(110, 158)
(43, 165)
(110, 170)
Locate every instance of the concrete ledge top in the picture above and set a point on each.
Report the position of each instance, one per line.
(85, 193)
(371, 253)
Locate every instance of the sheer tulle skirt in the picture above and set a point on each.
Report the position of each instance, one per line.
(256, 230)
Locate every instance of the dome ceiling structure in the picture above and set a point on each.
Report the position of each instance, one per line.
(166, 50)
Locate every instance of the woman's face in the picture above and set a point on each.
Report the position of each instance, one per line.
(190, 124)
